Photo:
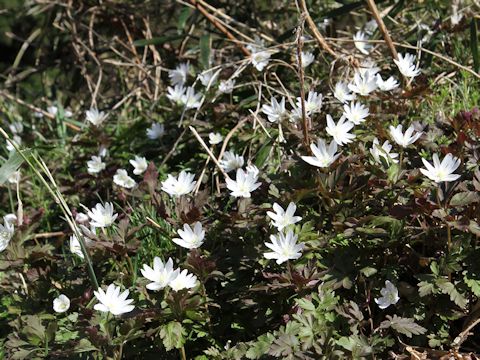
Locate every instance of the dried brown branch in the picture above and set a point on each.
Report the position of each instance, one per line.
(383, 29)
(34, 108)
(311, 24)
(220, 27)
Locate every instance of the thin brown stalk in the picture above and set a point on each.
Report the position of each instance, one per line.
(220, 27)
(34, 108)
(381, 25)
(316, 34)
(48, 234)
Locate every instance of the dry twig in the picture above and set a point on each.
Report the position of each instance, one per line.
(386, 35)
(311, 24)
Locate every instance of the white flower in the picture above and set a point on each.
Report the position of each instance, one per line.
(231, 161)
(363, 84)
(61, 304)
(11, 219)
(313, 102)
(456, 15)
(67, 113)
(181, 186)
(112, 301)
(215, 138)
(14, 178)
(296, 114)
(191, 100)
(371, 26)
(103, 151)
(257, 46)
(387, 85)
(276, 110)
(52, 110)
(368, 67)
(6, 234)
(209, 77)
(95, 117)
(16, 127)
(95, 165)
(190, 239)
(283, 218)
(441, 171)
(81, 218)
(252, 169)
(161, 275)
(75, 247)
(140, 164)
(406, 65)
(155, 131)
(175, 94)
(284, 247)
(359, 39)
(389, 296)
(342, 92)
(102, 216)
(323, 156)
(179, 75)
(17, 140)
(404, 139)
(121, 178)
(383, 151)
(307, 59)
(184, 280)
(355, 112)
(340, 131)
(260, 59)
(243, 185)
(226, 86)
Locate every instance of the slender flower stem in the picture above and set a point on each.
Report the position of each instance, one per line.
(182, 353)
(449, 237)
(302, 85)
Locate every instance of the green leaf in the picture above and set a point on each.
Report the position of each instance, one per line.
(84, 345)
(464, 198)
(393, 173)
(425, 288)
(205, 45)
(405, 326)
(474, 228)
(260, 347)
(368, 271)
(263, 154)
(51, 330)
(473, 284)
(183, 17)
(11, 165)
(173, 335)
(448, 288)
(306, 304)
(285, 346)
